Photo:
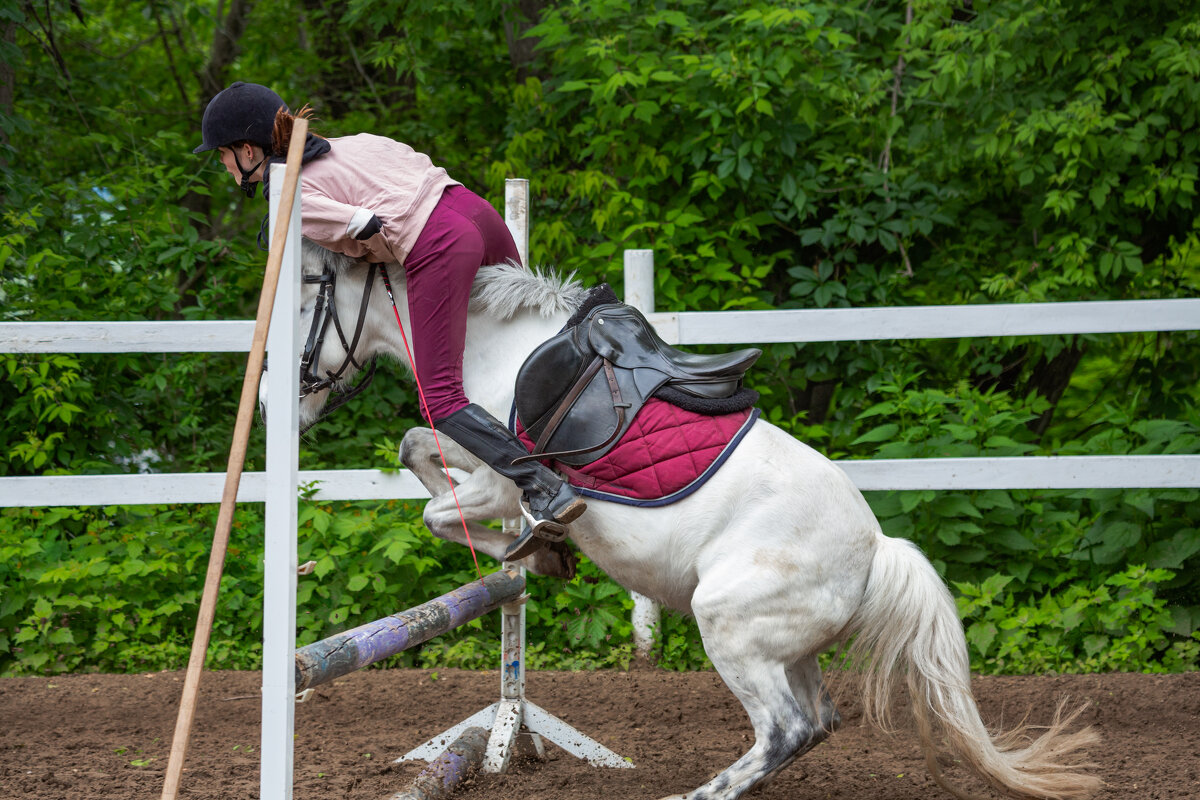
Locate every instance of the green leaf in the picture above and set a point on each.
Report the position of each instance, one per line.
(1110, 541)
(1172, 553)
(1013, 540)
(886, 407)
(949, 535)
(325, 565)
(981, 635)
(955, 505)
(879, 434)
(1095, 644)
(910, 500)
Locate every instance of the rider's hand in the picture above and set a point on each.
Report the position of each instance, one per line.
(373, 226)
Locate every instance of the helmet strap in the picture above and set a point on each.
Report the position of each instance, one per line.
(247, 185)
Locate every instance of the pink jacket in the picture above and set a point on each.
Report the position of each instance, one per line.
(363, 175)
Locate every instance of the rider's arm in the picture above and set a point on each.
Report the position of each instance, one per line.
(351, 230)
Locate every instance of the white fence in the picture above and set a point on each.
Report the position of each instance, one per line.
(684, 328)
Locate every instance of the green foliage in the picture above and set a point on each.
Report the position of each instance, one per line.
(773, 154)
(116, 589)
(1121, 624)
(1040, 575)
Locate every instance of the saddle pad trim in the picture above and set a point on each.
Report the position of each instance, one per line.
(678, 494)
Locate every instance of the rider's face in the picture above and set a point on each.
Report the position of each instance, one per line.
(249, 154)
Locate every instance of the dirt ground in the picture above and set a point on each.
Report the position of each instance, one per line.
(108, 736)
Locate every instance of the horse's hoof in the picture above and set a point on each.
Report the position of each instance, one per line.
(556, 560)
(566, 558)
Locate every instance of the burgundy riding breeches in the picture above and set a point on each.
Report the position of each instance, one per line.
(464, 233)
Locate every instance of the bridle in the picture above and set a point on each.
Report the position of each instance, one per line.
(325, 312)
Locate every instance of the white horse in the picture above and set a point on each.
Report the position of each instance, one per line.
(778, 557)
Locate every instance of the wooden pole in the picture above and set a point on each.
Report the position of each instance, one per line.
(233, 472)
(343, 653)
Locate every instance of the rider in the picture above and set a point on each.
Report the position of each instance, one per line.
(375, 198)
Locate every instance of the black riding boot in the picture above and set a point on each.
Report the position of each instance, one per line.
(549, 504)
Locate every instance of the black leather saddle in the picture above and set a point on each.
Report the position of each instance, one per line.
(578, 392)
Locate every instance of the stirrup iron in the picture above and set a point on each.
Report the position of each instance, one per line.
(546, 529)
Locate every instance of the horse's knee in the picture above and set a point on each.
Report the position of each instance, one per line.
(414, 447)
(440, 522)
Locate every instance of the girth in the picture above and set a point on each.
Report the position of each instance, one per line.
(578, 392)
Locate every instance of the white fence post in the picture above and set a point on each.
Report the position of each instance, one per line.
(516, 215)
(639, 293)
(279, 556)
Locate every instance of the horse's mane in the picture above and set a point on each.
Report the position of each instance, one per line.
(500, 289)
(503, 289)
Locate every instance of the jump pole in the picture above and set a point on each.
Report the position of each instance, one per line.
(360, 647)
(513, 715)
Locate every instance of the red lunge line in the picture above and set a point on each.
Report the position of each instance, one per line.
(429, 417)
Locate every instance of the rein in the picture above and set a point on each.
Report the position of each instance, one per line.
(324, 313)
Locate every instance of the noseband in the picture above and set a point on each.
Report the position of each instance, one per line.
(324, 313)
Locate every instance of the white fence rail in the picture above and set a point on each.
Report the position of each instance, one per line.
(720, 327)
(682, 328)
(222, 336)
(927, 322)
(199, 487)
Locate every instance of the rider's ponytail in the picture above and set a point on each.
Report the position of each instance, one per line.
(282, 133)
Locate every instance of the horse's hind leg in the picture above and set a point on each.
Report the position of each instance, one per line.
(783, 728)
(786, 722)
(808, 687)
(766, 605)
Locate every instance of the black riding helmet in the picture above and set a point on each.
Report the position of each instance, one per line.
(242, 112)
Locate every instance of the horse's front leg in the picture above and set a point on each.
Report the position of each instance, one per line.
(485, 494)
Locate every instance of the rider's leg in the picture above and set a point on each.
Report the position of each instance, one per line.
(464, 233)
(550, 498)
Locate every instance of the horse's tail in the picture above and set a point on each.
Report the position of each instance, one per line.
(908, 622)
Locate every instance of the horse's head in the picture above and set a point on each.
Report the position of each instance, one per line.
(338, 328)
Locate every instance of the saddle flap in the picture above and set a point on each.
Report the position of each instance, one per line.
(547, 375)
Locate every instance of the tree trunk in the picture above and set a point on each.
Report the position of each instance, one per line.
(8, 96)
(519, 17)
(224, 49)
(7, 87)
(1051, 378)
(338, 70)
